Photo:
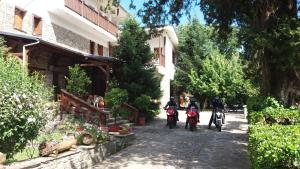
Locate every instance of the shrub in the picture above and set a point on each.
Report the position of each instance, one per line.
(143, 103)
(259, 103)
(147, 107)
(274, 147)
(23, 108)
(114, 100)
(78, 81)
(276, 115)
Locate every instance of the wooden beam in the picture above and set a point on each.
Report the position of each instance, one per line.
(18, 54)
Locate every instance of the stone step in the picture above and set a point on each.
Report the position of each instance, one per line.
(112, 119)
(128, 124)
(120, 122)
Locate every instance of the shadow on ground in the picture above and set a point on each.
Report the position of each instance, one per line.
(157, 146)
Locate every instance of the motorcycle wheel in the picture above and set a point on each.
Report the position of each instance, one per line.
(170, 126)
(220, 128)
(192, 127)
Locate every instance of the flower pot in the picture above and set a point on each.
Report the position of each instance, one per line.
(79, 129)
(142, 121)
(114, 128)
(2, 158)
(123, 132)
(131, 118)
(87, 139)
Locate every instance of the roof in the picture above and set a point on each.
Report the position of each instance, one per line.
(170, 31)
(59, 46)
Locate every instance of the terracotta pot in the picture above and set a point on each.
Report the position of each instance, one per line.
(131, 118)
(123, 132)
(87, 139)
(142, 121)
(2, 158)
(114, 128)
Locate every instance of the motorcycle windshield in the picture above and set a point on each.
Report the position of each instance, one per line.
(170, 111)
(191, 114)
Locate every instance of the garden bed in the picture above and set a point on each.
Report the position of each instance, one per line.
(82, 157)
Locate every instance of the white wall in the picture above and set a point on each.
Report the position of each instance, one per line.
(168, 70)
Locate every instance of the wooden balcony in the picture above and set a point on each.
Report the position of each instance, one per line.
(92, 15)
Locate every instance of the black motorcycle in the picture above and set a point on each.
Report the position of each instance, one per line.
(218, 118)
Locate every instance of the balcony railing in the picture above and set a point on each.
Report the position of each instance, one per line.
(93, 16)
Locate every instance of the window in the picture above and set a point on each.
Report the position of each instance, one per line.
(92, 47)
(105, 51)
(157, 53)
(159, 56)
(110, 50)
(37, 26)
(118, 11)
(18, 20)
(174, 57)
(100, 50)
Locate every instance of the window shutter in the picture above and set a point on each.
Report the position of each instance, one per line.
(37, 27)
(18, 20)
(110, 50)
(100, 50)
(92, 47)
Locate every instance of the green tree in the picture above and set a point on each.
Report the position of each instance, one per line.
(135, 73)
(221, 77)
(78, 81)
(208, 67)
(269, 34)
(23, 104)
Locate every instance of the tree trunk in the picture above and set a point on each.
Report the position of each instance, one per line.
(282, 84)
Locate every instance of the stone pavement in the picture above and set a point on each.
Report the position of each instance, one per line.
(158, 147)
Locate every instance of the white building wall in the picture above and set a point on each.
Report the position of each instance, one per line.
(167, 71)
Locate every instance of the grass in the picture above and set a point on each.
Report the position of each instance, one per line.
(32, 151)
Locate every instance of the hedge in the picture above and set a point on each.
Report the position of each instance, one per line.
(274, 147)
(275, 115)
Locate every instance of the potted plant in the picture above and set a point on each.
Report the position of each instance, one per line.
(115, 99)
(78, 81)
(143, 103)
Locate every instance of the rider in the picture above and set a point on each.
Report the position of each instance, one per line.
(172, 103)
(217, 104)
(192, 104)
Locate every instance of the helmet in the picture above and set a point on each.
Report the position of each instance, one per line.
(172, 98)
(193, 100)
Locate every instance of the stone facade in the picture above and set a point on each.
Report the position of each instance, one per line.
(83, 157)
(58, 34)
(7, 20)
(50, 31)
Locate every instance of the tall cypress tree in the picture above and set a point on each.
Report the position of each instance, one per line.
(136, 73)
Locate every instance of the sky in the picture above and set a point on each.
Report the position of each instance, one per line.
(139, 3)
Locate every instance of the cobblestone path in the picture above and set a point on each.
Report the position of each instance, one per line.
(158, 147)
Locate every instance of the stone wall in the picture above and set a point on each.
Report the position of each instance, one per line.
(7, 19)
(83, 157)
(50, 31)
(58, 34)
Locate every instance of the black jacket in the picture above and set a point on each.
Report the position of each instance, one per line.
(172, 103)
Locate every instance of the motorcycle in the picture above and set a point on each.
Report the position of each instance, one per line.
(171, 118)
(192, 118)
(219, 118)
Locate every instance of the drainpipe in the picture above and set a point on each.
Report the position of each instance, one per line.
(25, 56)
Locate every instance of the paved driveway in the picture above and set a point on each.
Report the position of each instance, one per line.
(158, 147)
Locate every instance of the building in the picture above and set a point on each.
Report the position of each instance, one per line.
(163, 47)
(49, 36)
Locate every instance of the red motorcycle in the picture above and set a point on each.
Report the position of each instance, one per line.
(192, 115)
(171, 117)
